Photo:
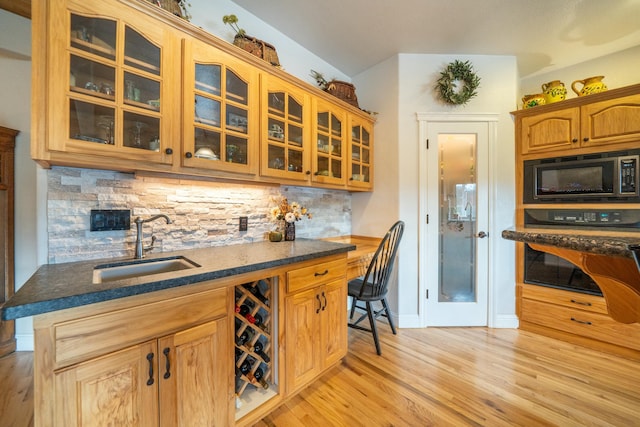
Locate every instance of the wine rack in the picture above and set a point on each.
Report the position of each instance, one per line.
(253, 335)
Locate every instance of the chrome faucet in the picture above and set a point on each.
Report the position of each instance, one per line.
(140, 248)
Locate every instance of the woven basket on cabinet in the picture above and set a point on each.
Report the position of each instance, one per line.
(258, 48)
(172, 6)
(344, 91)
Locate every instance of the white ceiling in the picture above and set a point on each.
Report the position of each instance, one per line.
(354, 35)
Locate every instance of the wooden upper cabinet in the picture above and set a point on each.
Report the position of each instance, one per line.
(587, 123)
(360, 154)
(611, 121)
(556, 130)
(220, 114)
(285, 130)
(126, 86)
(108, 84)
(329, 146)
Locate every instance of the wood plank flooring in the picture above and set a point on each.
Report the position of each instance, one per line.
(434, 377)
(468, 377)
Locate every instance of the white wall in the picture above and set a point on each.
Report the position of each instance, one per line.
(401, 87)
(294, 59)
(15, 113)
(619, 69)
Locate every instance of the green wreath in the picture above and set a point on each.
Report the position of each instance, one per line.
(458, 71)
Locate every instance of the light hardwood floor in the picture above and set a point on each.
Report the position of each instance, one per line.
(435, 376)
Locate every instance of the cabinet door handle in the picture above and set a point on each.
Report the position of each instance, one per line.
(168, 151)
(167, 366)
(321, 274)
(585, 139)
(188, 155)
(588, 304)
(574, 140)
(582, 322)
(319, 304)
(150, 359)
(325, 301)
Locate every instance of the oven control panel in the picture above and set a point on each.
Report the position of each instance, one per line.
(621, 219)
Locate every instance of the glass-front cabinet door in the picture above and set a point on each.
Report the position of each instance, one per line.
(114, 86)
(285, 131)
(360, 169)
(329, 145)
(220, 124)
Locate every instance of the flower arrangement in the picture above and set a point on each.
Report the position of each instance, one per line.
(289, 212)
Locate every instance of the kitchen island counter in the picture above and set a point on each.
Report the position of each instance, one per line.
(605, 256)
(613, 244)
(60, 286)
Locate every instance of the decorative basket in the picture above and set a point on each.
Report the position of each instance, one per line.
(344, 91)
(258, 48)
(172, 6)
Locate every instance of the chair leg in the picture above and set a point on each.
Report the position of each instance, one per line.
(385, 305)
(354, 301)
(372, 321)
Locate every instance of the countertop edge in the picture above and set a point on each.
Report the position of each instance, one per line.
(611, 245)
(16, 308)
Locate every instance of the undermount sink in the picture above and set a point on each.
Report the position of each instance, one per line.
(141, 267)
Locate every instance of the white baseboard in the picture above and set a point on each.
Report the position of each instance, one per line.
(408, 321)
(505, 321)
(24, 342)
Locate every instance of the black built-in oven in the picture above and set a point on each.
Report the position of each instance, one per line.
(541, 268)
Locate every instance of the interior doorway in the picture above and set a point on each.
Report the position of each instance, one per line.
(454, 235)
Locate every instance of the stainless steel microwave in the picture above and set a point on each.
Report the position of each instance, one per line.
(589, 178)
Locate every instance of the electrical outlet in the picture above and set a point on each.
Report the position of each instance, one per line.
(244, 223)
(107, 220)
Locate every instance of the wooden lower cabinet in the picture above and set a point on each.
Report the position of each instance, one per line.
(175, 372)
(166, 358)
(314, 332)
(578, 318)
(315, 321)
(178, 380)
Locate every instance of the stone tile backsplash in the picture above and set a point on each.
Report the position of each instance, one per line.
(203, 213)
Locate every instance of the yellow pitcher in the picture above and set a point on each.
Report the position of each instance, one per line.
(554, 91)
(529, 101)
(589, 85)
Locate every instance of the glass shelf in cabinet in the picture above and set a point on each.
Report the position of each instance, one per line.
(236, 119)
(141, 53)
(276, 103)
(93, 35)
(91, 122)
(237, 89)
(207, 78)
(207, 111)
(236, 150)
(141, 132)
(141, 91)
(206, 144)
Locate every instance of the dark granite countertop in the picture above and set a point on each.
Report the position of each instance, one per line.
(597, 243)
(60, 286)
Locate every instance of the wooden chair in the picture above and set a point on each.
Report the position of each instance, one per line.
(372, 286)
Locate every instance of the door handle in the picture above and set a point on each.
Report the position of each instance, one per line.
(482, 235)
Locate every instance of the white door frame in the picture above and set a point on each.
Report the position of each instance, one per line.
(423, 122)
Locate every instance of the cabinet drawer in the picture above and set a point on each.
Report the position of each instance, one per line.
(569, 299)
(591, 325)
(86, 338)
(313, 275)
